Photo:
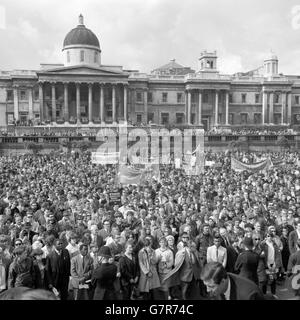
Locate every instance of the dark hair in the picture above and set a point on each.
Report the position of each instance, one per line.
(213, 271)
(82, 246)
(24, 293)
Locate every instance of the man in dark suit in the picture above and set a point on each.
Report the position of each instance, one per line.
(247, 262)
(58, 269)
(293, 237)
(228, 286)
(232, 255)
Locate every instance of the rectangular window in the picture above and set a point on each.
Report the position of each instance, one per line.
(150, 117)
(23, 95)
(244, 118)
(179, 118)
(165, 97)
(36, 94)
(138, 118)
(139, 97)
(277, 118)
(276, 98)
(257, 98)
(193, 119)
(297, 99)
(164, 118)
(96, 57)
(205, 98)
(10, 96)
(231, 118)
(243, 97)
(81, 56)
(179, 97)
(150, 97)
(257, 118)
(230, 98)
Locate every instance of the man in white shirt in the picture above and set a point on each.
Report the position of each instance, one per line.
(217, 253)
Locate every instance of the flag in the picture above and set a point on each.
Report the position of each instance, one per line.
(137, 175)
(239, 166)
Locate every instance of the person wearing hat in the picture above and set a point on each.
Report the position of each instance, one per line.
(104, 276)
(247, 261)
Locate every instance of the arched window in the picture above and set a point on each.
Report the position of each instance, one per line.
(81, 55)
(68, 56)
(96, 57)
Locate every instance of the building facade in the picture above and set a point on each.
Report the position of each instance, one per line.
(84, 91)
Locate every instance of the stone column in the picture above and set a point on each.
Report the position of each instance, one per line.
(16, 103)
(78, 102)
(200, 108)
(53, 102)
(217, 108)
(227, 109)
(189, 106)
(41, 100)
(289, 107)
(271, 111)
(30, 104)
(66, 102)
(264, 106)
(283, 108)
(114, 110)
(146, 106)
(90, 102)
(125, 102)
(102, 113)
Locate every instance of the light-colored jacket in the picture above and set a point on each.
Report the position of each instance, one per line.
(212, 256)
(78, 272)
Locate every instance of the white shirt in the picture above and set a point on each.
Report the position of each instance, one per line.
(271, 254)
(227, 292)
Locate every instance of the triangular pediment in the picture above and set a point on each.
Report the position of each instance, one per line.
(84, 70)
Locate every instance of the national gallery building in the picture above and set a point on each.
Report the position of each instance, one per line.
(85, 92)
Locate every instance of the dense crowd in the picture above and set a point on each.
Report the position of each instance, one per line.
(68, 226)
(252, 131)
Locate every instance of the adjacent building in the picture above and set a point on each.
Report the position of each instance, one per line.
(84, 91)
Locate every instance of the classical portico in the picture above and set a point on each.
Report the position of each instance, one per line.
(94, 95)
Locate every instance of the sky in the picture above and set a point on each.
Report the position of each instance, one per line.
(145, 34)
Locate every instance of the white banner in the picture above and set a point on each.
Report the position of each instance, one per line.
(177, 163)
(105, 158)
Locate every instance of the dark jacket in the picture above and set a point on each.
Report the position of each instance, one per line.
(246, 265)
(21, 274)
(103, 277)
(58, 268)
(293, 237)
(243, 289)
(129, 269)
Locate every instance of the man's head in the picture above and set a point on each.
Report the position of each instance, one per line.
(215, 278)
(217, 241)
(58, 244)
(83, 249)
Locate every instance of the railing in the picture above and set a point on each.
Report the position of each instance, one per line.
(218, 139)
(254, 138)
(231, 138)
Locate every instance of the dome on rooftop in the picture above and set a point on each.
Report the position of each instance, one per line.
(81, 36)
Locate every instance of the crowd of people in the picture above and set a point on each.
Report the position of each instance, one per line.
(252, 131)
(68, 226)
